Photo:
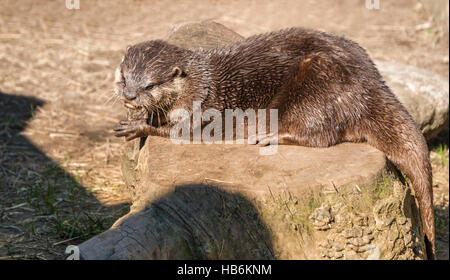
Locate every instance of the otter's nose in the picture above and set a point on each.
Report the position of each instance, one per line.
(130, 95)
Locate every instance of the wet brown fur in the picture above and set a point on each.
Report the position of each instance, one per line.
(326, 89)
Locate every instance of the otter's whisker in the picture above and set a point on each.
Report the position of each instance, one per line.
(110, 98)
(159, 120)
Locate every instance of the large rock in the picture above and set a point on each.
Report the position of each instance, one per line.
(423, 93)
(230, 202)
(206, 35)
(162, 166)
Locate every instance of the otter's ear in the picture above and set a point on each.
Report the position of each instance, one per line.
(178, 72)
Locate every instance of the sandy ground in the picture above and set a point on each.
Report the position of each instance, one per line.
(60, 178)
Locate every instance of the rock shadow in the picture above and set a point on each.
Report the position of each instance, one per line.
(193, 222)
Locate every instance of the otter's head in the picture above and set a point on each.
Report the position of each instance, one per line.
(151, 76)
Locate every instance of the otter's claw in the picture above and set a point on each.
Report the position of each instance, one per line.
(132, 129)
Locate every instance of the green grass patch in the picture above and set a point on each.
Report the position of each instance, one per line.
(82, 225)
(442, 151)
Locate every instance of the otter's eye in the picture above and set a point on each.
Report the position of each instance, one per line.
(149, 87)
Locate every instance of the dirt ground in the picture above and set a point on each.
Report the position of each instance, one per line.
(60, 177)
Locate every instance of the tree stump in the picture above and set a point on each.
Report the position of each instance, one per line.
(229, 202)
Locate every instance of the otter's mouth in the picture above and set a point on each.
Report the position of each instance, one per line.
(135, 111)
(131, 105)
(155, 114)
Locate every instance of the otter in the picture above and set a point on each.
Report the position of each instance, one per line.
(326, 89)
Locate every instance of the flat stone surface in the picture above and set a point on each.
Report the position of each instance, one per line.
(163, 165)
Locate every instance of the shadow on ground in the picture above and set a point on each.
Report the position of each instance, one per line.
(42, 207)
(193, 222)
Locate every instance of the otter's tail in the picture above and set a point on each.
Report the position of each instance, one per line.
(395, 133)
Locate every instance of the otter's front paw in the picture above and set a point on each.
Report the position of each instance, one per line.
(132, 129)
(262, 139)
